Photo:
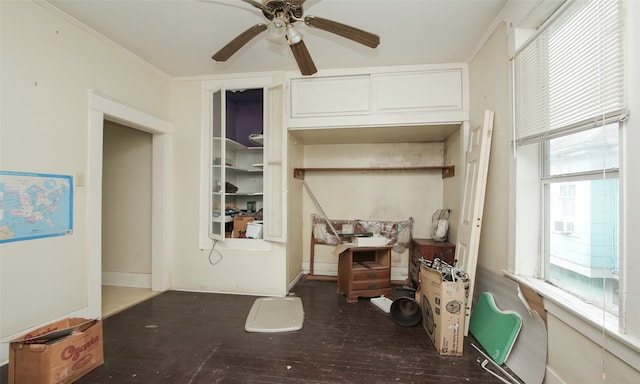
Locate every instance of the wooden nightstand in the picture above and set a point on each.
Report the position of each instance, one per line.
(364, 272)
(429, 249)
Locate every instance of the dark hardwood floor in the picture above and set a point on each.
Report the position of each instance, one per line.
(199, 338)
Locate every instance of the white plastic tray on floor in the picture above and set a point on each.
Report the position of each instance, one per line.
(275, 314)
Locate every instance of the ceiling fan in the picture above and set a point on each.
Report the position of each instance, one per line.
(281, 15)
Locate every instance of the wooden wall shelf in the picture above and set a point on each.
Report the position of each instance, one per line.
(447, 170)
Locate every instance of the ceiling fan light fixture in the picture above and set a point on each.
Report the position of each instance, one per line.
(276, 31)
(278, 21)
(293, 35)
(281, 14)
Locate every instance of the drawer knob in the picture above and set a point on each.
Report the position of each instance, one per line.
(371, 275)
(371, 285)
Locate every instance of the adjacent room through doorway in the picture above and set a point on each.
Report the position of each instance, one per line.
(126, 217)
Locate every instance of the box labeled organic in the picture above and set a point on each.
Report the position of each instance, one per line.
(58, 353)
(443, 311)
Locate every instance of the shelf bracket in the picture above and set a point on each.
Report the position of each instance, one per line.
(298, 173)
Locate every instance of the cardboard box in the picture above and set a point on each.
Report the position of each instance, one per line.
(240, 226)
(58, 353)
(443, 311)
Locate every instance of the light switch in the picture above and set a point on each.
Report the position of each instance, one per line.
(79, 179)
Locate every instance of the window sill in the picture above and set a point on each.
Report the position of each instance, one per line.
(585, 319)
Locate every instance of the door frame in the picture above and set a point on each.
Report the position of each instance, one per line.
(103, 107)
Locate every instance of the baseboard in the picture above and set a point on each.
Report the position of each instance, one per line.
(127, 279)
(300, 275)
(321, 277)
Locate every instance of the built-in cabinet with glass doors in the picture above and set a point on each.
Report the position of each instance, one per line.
(246, 162)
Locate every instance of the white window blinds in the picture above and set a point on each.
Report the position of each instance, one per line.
(570, 75)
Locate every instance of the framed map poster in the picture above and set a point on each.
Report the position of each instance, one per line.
(35, 205)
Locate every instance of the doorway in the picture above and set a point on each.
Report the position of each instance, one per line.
(105, 109)
(126, 217)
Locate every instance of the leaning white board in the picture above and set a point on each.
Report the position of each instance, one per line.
(528, 356)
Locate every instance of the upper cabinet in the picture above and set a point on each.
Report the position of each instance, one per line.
(416, 92)
(393, 96)
(329, 97)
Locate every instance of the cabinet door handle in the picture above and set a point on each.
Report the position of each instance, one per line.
(371, 275)
(372, 285)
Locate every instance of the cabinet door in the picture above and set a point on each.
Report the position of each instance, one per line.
(275, 189)
(331, 96)
(418, 91)
(217, 163)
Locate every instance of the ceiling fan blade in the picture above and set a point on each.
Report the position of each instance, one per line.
(234, 45)
(297, 3)
(355, 34)
(254, 3)
(303, 58)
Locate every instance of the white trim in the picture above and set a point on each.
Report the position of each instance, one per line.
(295, 281)
(629, 180)
(160, 181)
(223, 292)
(204, 241)
(517, 14)
(126, 279)
(505, 14)
(585, 319)
(121, 112)
(94, 214)
(103, 107)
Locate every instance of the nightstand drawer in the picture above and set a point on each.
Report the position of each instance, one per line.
(366, 285)
(371, 274)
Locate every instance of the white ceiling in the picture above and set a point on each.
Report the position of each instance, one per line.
(180, 36)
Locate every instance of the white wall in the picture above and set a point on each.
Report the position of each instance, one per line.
(48, 66)
(372, 195)
(453, 155)
(241, 266)
(489, 89)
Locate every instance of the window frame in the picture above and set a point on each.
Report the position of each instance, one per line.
(618, 335)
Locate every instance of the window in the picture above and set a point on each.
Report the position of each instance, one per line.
(569, 109)
(581, 203)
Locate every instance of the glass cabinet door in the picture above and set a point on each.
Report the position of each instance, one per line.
(217, 228)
